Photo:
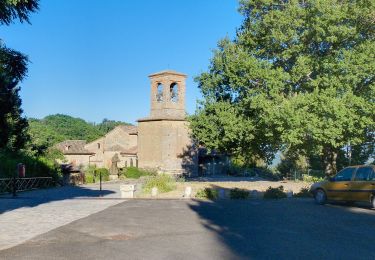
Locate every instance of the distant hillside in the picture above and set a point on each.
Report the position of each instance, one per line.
(56, 128)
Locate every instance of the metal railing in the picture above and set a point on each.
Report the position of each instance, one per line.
(9, 185)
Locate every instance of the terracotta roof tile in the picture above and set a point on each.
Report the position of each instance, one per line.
(73, 147)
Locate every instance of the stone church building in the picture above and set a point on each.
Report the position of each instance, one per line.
(160, 142)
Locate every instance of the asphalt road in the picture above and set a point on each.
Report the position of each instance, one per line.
(172, 229)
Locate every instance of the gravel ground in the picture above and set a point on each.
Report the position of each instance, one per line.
(248, 184)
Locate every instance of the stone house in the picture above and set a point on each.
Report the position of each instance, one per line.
(122, 141)
(75, 153)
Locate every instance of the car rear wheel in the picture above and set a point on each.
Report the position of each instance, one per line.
(320, 197)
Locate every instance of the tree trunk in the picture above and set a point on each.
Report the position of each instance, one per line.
(329, 160)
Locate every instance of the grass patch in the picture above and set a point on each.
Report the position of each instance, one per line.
(163, 182)
(237, 193)
(207, 193)
(134, 173)
(275, 193)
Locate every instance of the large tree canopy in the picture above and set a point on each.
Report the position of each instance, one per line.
(299, 75)
(13, 68)
(16, 9)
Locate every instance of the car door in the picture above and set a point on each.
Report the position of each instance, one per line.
(363, 184)
(339, 186)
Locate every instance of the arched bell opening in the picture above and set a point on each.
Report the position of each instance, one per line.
(173, 91)
(159, 92)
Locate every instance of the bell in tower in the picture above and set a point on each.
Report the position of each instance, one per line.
(164, 143)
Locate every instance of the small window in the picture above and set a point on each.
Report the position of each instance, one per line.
(67, 147)
(345, 174)
(364, 174)
(98, 145)
(174, 92)
(159, 92)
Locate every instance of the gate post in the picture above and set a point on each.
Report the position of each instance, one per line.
(14, 186)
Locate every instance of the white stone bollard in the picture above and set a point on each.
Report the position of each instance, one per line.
(127, 191)
(154, 192)
(188, 191)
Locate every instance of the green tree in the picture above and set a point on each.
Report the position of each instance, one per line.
(17, 9)
(292, 165)
(299, 76)
(13, 69)
(52, 129)
(108, 125)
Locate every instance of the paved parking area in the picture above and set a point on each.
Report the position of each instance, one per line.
(177, 229)
(36, 212)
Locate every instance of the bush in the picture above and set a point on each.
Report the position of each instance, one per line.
(237, 193)
(207, 193)
(134, 173)
(275, 193)
(163, 182)
(92, 174)
(311, 179)
(304, 193)
(42, 166)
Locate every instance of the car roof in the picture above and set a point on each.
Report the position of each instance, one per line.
(361, 165)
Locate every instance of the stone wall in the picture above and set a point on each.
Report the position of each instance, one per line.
(165, 145)
(78, 160)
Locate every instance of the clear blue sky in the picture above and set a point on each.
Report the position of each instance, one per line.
(91, 58)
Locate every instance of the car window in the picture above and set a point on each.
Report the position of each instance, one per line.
(363, 174)
(345, 174)
(372, 175)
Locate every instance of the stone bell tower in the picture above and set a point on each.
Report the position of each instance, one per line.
(168, 94)
(164, 142)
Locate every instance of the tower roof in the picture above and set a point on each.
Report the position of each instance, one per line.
(167, 72)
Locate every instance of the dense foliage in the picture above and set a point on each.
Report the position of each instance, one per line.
(36, 166)
(107, 125)
(17, 9)
(13, 69)
(13, 125)
(298, 77)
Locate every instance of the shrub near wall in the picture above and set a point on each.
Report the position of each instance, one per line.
(237, 193)
(275, 193)
(207, 193)
(92, 174)
(134, 173)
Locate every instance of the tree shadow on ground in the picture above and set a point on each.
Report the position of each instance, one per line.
(37, 197)
(288, 228)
